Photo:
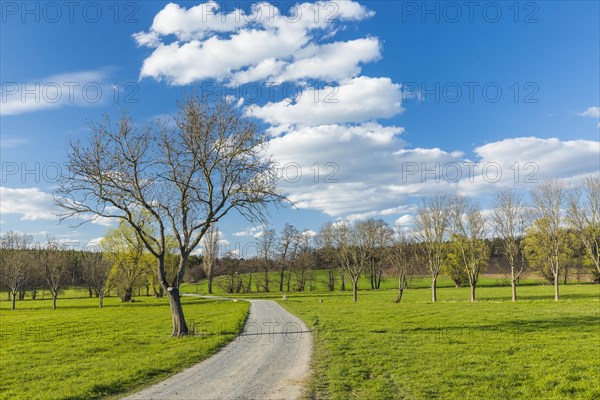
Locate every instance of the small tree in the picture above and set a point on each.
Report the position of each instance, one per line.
(210, 253)
(54, 259)
(401, 255)
(583, 216)
(96, 270)
(548, 199)
(509, 225)
(468, 227)
(289, 235)
(431, 223)
(352, 249)
(16, 262)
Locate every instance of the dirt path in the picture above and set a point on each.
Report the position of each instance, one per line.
(269, 360)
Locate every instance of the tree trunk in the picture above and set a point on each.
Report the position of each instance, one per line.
(33, 293)
(355, 290)
(179, 326)
(54, 296)
(281, 278)
(127, 295)
(14, 299)
(90, 292)
(399, 297)
(556, 295)
(101, 297)
(514, 289)
(331, 286)
(473, 287)
(343, 282)
(434, 289)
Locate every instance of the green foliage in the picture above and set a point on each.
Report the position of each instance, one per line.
(82, 352)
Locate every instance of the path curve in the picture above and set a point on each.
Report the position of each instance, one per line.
(269, 360)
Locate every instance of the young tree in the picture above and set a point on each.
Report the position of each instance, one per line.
(185, 175)
(509, 225)
(548, 199)
(401, 255)
(210, 253)
(352, 250)
(431, 223)
(583, 216)
(265, 249)
(16, 262)
(378, 236)
(96, 269)
(468, 228)
(325, 242)
(288, 236)
(54, 259)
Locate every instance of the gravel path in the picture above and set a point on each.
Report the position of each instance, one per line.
(269, 360)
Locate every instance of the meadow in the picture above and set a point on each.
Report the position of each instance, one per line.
(82, 352)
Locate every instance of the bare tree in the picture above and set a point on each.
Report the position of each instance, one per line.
(583, 215)
(96, 269)
(265, 248)
(401, 255)
(548, 199)
(378, 236)
(509, 225)
(286, 241)
(16, 261)
(468, 228)
(210, 253)
(186, 176)
(54, 259)
(352, 250)
(431, 223)
(325, 242)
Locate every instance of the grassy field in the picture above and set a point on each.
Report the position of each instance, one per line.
(82, 352)
(491, 349)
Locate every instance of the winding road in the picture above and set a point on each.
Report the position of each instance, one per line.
(270, 359)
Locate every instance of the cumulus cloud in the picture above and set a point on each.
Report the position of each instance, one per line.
(252, 231)
(211, 43)
(30, 203)
(593, 112)
(356, 100)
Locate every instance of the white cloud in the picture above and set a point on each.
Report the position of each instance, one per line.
(10, 142)
(222, 44)
(78, 88)
(591, 112)
(252, 231)
(31, 203)
(357, 100)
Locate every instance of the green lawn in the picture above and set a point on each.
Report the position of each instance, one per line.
(493, 349)
(82, 352)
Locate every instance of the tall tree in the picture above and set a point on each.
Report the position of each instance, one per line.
(431, 223)
(351, 243)
(509, 221)
(96, 270)
(265, 248)
(401, 255)
(583, 216)
(325, 242)
(548, 198)
(186, 175)
(210, 253)
(288, 236)
(16, 262)
(468, 228)
(378, 235)
(54, 258)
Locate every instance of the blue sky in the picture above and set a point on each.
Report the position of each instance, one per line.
(414, 87)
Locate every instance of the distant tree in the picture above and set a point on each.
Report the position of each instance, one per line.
(509, 222)
(548, 199)
(583, 216)
(96, 270)
(15, 262)
(287, 238)
(54, 258)
(469, 229)
(325, 242)
(185, 175)
(431, 230)
(210, 253)
(452, 266)
(266, 245)
(378, 236)
(352, 250)
(401, 255)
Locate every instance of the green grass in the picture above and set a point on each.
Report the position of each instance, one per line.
(491, 349)
(82, 352)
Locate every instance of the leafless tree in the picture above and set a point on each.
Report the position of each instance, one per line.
(265, 247)
(583, 215)
(352, 250)
(185, 175)
(468, 228)
(548, 198)
(401, 255)
(210, 253)
(378, 235)
(54, 259)
(288, 236)
(431, 223)
(509, 220)
(96, 269)
(325, 242)
(16, 261)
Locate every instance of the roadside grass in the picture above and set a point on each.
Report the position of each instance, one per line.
(82, 352)
(491, 349)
